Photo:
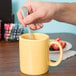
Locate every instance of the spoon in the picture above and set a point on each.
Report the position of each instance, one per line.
(24, 11)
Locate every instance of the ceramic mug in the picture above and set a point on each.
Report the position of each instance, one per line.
(34, 54)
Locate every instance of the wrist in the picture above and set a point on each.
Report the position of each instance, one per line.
(60, 10)
(60, 6)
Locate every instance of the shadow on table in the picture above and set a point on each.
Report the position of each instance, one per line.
(47, 74)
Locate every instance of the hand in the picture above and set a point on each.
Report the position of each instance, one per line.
(39, 12)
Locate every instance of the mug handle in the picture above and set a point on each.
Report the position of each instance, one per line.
(51, 63)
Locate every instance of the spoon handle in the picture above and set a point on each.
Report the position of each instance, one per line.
(24, 11)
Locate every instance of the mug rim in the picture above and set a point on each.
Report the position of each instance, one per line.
(47, 37)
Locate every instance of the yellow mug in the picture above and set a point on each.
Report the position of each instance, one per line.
(34, 54)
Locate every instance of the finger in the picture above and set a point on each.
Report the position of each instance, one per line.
(33, 27)
(31, 18)
(36, 27)
(20, 18)
(39, 26)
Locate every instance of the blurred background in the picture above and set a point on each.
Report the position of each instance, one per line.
(51, 27)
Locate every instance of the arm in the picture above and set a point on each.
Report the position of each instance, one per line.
(67, 13)
(42, 12)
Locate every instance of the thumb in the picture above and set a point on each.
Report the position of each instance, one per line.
(31, 18)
